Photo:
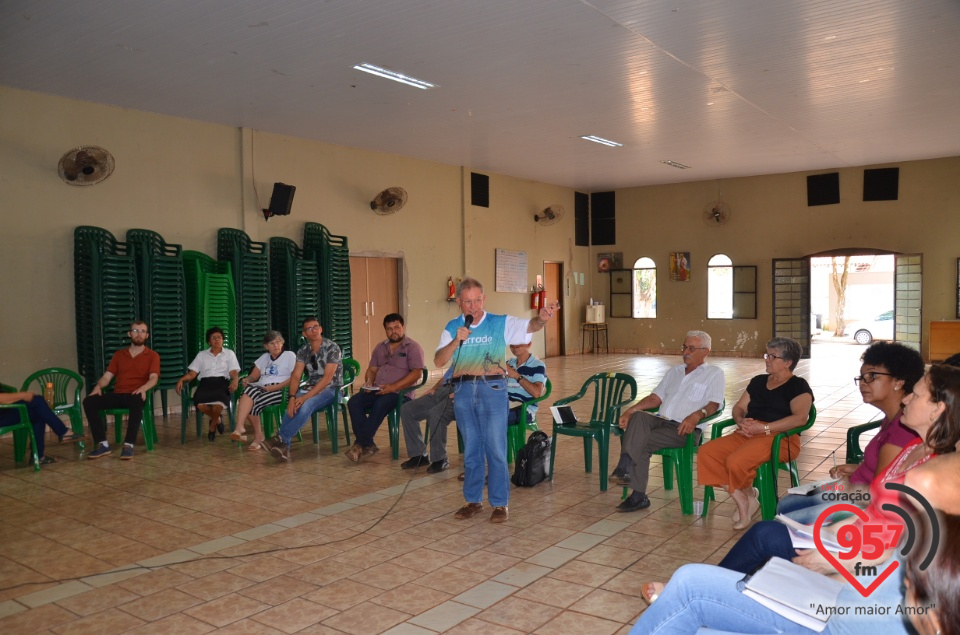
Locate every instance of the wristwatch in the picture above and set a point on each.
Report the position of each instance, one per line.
(766, 429)
(703, 411)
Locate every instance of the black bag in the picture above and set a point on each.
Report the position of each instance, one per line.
(532, 464)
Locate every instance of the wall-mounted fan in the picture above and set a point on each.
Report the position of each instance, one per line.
(389, 201)
(716, 213)
(550, 215)
(86, 165)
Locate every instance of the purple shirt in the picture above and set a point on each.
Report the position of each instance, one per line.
(893, 433)
(394, 366)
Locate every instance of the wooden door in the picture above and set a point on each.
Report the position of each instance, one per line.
(374, 292)
(553, 331)
(360, 307)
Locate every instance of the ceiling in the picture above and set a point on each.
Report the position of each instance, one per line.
(727, 87)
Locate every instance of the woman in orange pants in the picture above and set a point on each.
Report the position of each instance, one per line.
(772, 403)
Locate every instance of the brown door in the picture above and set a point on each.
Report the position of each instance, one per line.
(374, 292)
(553, 285)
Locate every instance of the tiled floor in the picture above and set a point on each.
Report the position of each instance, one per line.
(205, 537)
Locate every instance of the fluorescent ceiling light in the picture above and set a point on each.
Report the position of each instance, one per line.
(395, 76)
(602, 141)
(675, 164)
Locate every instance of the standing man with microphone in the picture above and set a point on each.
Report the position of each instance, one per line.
(476, 342)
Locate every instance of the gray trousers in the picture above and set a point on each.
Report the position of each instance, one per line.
(437, 409)
(644, 435)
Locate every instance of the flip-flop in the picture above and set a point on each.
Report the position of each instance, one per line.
(47, 460)
(71, 437)
(650, 591)
(236, 436)
(256, 446)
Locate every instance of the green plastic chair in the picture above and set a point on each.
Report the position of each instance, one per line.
(766, 479)
(186, 405)
(680, 461)
(854, 451)
(351, 368)
(147, 426)
(67, 386)
(611, 393)
(393, 418)
(22, 431)
(517, 434)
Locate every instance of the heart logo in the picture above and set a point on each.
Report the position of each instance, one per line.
(864, 591)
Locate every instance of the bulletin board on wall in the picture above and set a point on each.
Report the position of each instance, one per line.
(511, 271)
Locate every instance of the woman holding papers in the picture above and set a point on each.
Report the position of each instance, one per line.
(932, 410)
(772, 403)
(887, 375)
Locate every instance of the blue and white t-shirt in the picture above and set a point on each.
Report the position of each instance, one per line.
(483, 352)
(275, 371)
(534, 371)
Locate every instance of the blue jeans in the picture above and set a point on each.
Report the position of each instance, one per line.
(290, 426)
(40, 416)
(367, 412)
(481, 411)
(701, 595)
(764, 540)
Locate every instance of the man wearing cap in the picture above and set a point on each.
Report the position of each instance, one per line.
(475, 343)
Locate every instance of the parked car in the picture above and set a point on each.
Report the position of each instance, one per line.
(879, 328)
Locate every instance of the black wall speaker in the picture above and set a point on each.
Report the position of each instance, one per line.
(823, 189)
(479, 190)
(581, 219)
(603, 218)
(881, 184)
(280, 201)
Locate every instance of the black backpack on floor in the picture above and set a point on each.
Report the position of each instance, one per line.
(533, 460)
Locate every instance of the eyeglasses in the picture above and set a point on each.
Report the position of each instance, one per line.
(690, 349)
(771, 356)
(144, 331)
(314, 363)
(869, 378)
(311, 329)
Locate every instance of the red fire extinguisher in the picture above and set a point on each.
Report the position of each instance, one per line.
(538, 299)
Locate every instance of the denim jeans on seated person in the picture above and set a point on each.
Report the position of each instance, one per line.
(481, 411)
(704, 596)
(290, 426)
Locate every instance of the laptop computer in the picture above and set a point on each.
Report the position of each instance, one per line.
(563, 415)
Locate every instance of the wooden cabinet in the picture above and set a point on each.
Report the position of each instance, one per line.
(374, 293)
(944, 339)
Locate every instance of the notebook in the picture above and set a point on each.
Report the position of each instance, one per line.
(796, 593)
(563, 415)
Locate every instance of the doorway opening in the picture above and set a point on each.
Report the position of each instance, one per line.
(851, 303)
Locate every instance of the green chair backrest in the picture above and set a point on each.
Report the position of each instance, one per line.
(608, 392)
(67, 384)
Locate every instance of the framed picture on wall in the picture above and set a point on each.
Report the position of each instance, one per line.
(680, 266)
(609, 262)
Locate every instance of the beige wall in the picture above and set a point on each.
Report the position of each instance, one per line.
(770, 219)
(185, 179)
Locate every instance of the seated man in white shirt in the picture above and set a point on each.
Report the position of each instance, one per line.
(686, 394)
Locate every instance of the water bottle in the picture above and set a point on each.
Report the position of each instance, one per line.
(48, 394)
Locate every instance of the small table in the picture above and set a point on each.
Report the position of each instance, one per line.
(594, 331)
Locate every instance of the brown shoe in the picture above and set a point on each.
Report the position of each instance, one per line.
(499, 515)
(354, 453)
(468, 511)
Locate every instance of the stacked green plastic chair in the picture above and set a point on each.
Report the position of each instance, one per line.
(295, 286)
(107, 298)
(163, 303)
(333, 263)
(251, 277)
(211, 301)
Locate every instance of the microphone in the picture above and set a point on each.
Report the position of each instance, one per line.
(467, 321)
